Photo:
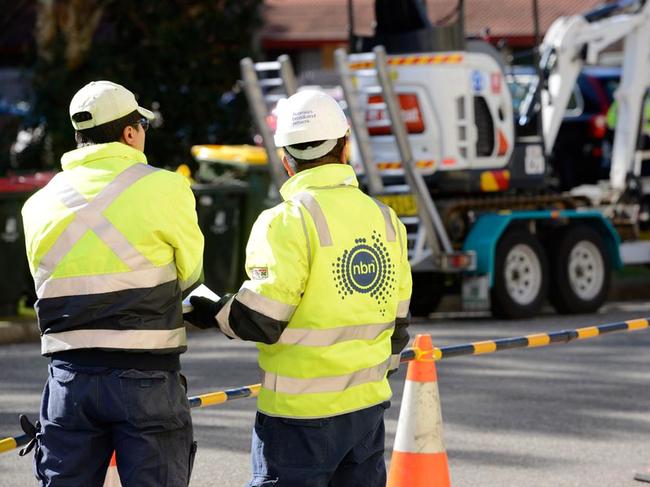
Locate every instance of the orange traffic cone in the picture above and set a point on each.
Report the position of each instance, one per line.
(112, 476)
(419, 456)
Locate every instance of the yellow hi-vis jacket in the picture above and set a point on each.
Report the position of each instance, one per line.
(112, 242)
(329, 281)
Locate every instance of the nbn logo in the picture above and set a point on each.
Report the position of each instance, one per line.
(366, 269)
(363, 268)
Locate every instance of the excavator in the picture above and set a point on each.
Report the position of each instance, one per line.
(436, 137)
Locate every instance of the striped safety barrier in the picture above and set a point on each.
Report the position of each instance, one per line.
(11, 443)
(413, 60)
(475, 348)
(200, 401)
(213, 398)
(528, 341)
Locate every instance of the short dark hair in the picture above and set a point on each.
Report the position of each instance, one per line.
(332, 157)
(106, 132)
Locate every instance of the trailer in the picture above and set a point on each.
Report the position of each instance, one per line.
(435, 137)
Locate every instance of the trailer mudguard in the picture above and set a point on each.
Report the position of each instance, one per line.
(488, 229)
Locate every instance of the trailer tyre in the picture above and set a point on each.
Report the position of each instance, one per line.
(580, 270)
(428, 290)
(520, 276)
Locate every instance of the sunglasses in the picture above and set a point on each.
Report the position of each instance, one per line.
(144, 123)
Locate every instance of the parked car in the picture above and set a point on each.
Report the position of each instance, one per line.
(581, 154)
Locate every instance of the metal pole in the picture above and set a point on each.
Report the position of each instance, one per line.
(287, 74)
(351, 42)
(359, 129)
(429, 217)
(258, 106)
(540, 76)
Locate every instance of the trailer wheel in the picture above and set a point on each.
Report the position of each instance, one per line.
(428, 290)
(580, 270)
(520, 276)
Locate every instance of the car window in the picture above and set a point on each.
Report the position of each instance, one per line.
(519, 85)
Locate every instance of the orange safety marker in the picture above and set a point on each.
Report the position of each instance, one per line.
(112, 476)
(419, 457)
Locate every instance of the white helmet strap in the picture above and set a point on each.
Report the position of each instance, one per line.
(312, 152)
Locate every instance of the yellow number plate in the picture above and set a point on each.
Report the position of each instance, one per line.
(403, 204)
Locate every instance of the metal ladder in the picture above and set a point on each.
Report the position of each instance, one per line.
(366, 74)
(265, 83)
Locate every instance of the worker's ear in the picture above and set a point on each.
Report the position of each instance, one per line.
(343, 156)
(288, 166)
(129, 135)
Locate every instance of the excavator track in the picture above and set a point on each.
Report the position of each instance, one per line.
(459, 213)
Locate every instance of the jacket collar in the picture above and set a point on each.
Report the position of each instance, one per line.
(90, 153)
(326, 176)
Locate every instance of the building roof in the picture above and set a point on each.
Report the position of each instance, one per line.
(318, 21)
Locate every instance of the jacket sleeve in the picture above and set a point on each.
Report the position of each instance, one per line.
(400, 337)
(184, 234)
(277, 267)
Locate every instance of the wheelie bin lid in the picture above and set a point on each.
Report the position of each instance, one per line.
(237, 155)
(24, 183)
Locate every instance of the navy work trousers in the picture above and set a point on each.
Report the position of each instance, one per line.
(340, 451)
(87, 412)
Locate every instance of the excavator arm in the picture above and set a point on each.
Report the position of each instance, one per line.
(570, 43)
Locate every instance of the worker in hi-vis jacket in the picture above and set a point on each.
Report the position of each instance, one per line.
(327, 302)
(113, 244)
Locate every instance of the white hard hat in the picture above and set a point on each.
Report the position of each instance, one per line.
(105, 101)
(309, 116)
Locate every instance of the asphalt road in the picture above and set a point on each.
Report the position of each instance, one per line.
(563, 415)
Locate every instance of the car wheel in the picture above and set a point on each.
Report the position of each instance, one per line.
(581, 271)
(520, 276)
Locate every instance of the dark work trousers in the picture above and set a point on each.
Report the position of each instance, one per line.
(340, 451)
(87, 412)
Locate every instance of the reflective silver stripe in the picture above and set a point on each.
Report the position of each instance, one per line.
(332, 336)
(192, 279)
(106, 283)
(118, 339)
(316, 212)
(58, 250)
(394, 361)
(266, 306)
(304, 229)
(403, 308)
(292, 385)
(390, 229)
(223, 320)
(88, 217)
(401, 242)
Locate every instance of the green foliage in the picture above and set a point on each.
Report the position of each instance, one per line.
(178, 56)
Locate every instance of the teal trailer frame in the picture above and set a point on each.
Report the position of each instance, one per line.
(484, 235)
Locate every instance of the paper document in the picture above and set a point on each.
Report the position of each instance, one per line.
(203, 291)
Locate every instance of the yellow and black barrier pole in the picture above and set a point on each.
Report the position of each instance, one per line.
(527, 341)
(475, 348)
(200, 401)
(213, 398)
(13, 442)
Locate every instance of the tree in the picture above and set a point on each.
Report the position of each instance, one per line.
(178, 56)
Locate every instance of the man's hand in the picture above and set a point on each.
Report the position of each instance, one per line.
(203, 312)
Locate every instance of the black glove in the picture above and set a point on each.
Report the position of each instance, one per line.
(204, 311)
(30, 431)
